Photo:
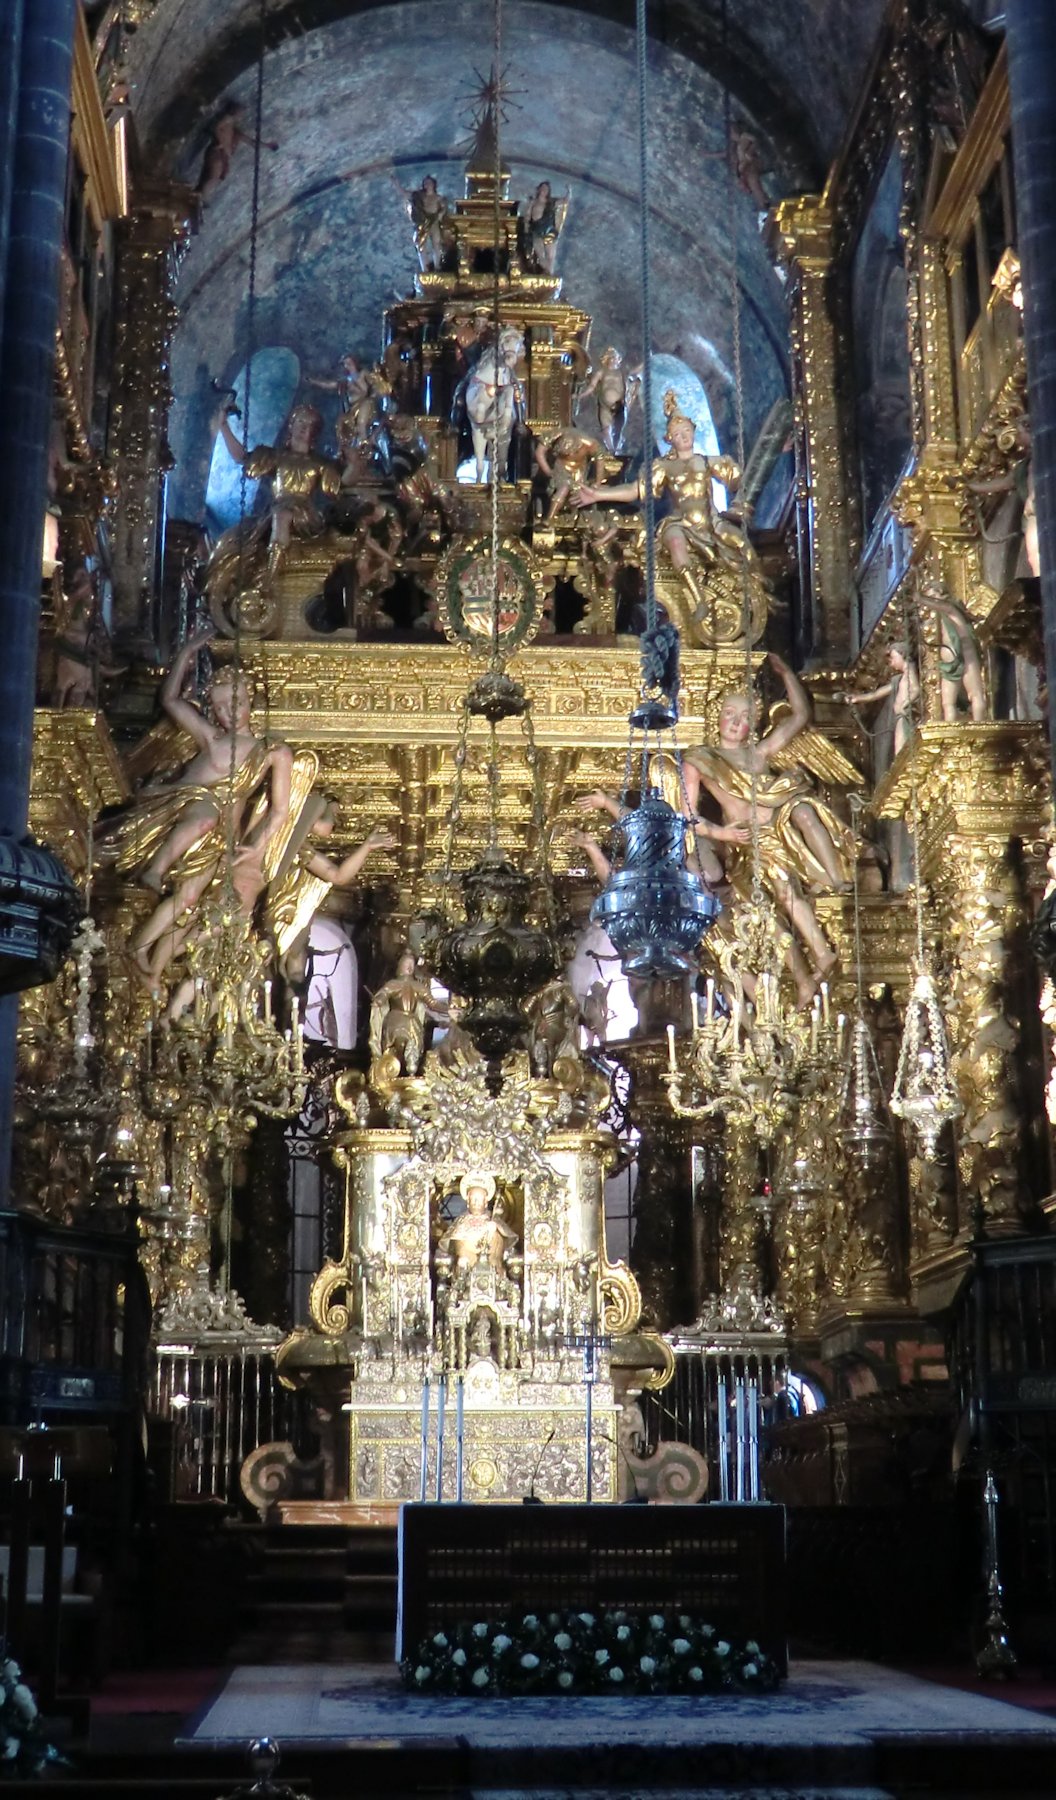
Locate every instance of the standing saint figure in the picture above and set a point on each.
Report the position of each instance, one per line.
(428, 210)
(803, 847)
(706, 546)
(542, 222)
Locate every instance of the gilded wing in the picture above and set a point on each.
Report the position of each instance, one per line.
(812, 750)
(303, 776)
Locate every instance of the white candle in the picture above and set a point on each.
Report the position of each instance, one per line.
(672, 1061)
(267, 1003)
(696, 1012)
(425, 1438)
(825, 1001)
(710, 1005)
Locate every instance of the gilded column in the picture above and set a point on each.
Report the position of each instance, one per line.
(803, 233)
(152, 241)
(980, 793)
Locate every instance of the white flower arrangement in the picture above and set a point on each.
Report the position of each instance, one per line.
(584, 1653)
(24, 1751)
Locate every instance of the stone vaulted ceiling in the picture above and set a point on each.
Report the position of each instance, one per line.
(355, 92)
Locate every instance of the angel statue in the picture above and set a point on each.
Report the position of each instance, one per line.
(479, 1234)
(305, 877)
(542, 223)
(960, 658)
(236, 789)
(428, 211)
(398, 1016)
(803, 847)
(615, 389)
(494, 399)
(249, 555)
(708, 549)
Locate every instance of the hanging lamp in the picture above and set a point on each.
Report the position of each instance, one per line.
(654, 909)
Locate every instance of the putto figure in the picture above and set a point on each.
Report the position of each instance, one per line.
(615, 389)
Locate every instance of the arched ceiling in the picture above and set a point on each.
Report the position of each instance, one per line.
(355, 92)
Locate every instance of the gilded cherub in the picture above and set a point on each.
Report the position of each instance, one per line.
(616, 389)
(398, 1016)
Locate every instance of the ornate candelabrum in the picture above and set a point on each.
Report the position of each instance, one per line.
(222, 1055)
(750, 1057)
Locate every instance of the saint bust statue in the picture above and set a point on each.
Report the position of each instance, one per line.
(477, 1235)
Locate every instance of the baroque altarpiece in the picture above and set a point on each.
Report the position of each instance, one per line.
(375, 1214)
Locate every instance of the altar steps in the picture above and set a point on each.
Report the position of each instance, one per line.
(319, 1593)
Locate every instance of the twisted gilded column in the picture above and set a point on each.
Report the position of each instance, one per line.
(152, 240)
(982, 799)
(803, 239)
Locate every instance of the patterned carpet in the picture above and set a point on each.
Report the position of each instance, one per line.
(822, 1703)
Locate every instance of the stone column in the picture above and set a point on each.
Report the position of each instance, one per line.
(35, 97)
(803, 238)
(27, 363)
(1031, 30)
(9, 70)
(151, 242)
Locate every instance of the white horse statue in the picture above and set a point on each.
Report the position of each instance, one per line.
(492, 393)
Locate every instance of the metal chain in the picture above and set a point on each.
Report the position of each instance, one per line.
(496, 326)
(250, 351)
(738, 379)
(647, 323)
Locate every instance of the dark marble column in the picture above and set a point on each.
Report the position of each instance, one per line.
(27, 362)
(9, 63)
(1031, 28)
(39, 75)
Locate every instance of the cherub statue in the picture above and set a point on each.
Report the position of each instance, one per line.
(595, 1013)
(904, 689)
(554, 1012)
(542, 222)
(227, 132)
(398, 1016)
(175, 837)
(565, 460)
(493, 399)
(616, 389)
(708, 549)
(960, 658)
(358, 390)
(804, 848)
(478, 1234)
(428, 211)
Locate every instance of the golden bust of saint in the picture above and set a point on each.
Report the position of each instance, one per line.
(477, 1235)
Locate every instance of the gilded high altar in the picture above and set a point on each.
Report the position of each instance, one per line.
(524, 1307)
